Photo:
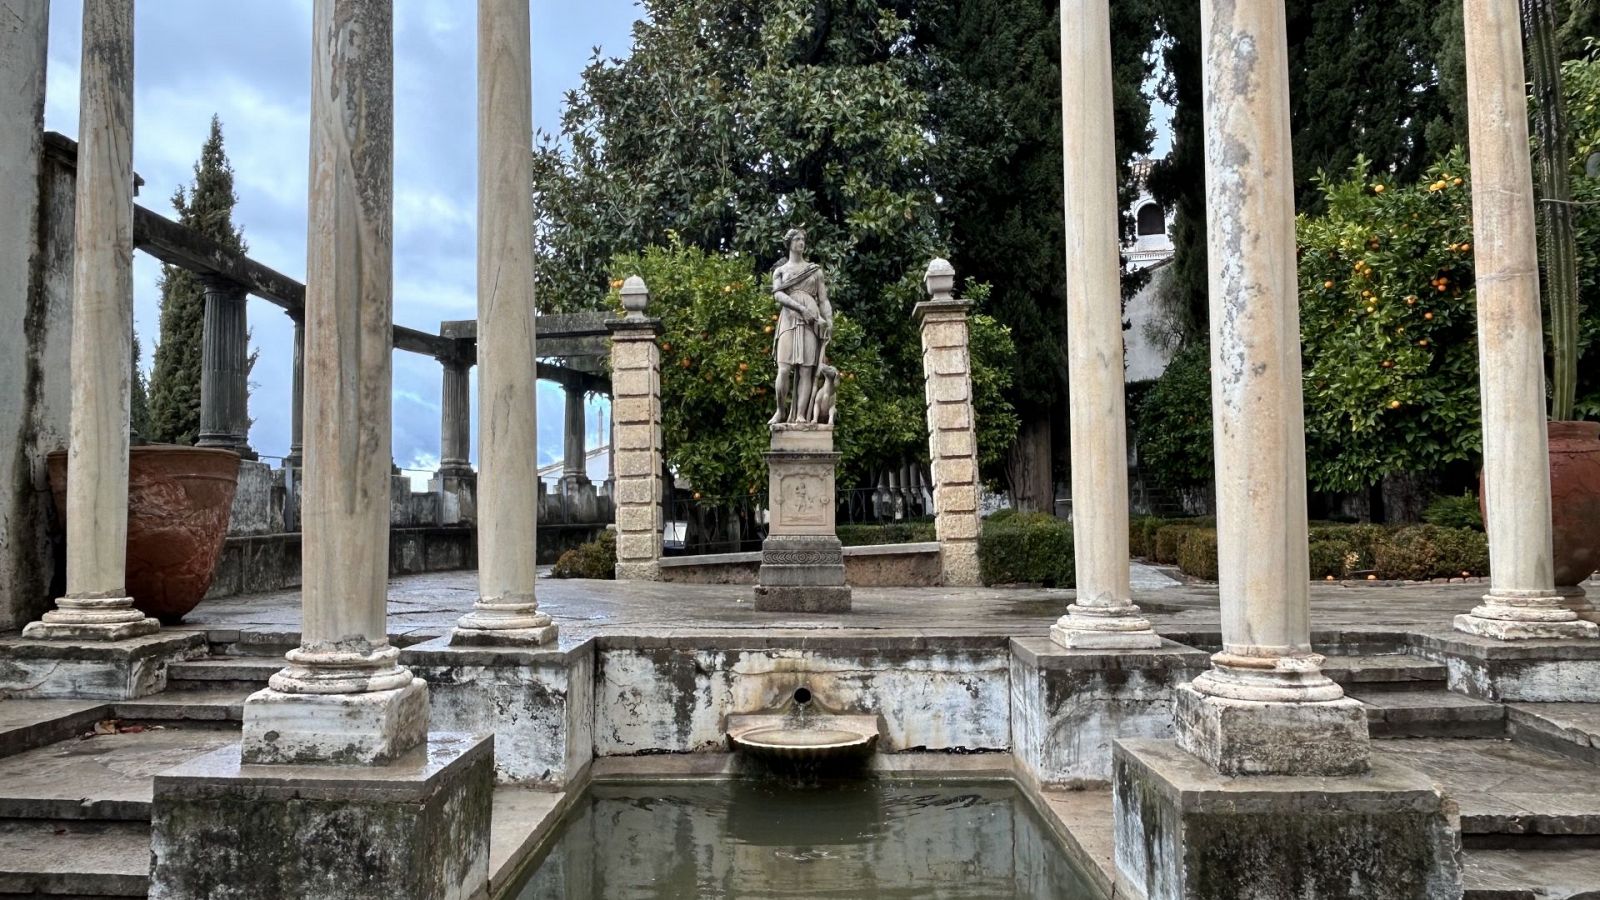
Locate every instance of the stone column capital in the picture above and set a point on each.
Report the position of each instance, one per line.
(627, 329)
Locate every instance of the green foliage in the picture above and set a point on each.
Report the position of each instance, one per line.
(593, 559)
(1422, 552)
(1581, 82)
(1197, 553)
(1173, 423)
(993, 358)
(1169, 540)
(1454, 512)
(1026, 548)
(1388, 327)
(911, 531)
(1360, 540)
(207, 207)
(717, 372)
(1333, 559)
(138, 397)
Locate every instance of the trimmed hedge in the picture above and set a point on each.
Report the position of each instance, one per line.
(595, 559)
(1412, 553)
(1029, 548)
(911, 531)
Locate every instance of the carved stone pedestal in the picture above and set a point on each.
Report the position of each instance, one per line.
(802, 562)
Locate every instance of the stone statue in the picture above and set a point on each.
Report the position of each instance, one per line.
(827, 389)
(805, 325)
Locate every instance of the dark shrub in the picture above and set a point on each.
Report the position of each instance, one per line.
(595, 559)
(1026, 548)
(1169, 538)
(1454, 512)
(911, 531)
(1421, 552)
(1332, 557)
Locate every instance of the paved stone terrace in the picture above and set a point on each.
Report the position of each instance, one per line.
(426, 606)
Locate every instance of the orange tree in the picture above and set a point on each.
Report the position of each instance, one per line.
(1388, 327)
(717, 372)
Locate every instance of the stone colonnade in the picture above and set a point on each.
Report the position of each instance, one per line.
(637, 446)
(952, 433)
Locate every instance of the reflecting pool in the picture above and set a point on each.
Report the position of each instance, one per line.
(760, 839)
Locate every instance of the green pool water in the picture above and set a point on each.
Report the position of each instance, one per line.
(758, 839)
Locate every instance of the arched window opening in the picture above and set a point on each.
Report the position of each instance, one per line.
(1152, 220)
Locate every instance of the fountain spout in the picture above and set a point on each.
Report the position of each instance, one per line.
(801, 730)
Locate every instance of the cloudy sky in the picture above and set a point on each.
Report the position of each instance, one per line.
(248, 61)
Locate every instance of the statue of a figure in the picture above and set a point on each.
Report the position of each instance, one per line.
(805, 325)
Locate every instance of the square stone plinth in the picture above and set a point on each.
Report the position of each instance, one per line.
(94, 669)
(802, 573)
(335, 729)
(538, 703)
(1245, 737)
(1530, 671)
(415, 828)
(1067, 706)
(1183, 832)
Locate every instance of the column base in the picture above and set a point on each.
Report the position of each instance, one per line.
(638, 571)
(816, 599)
(1575, 598)
(94, 669)
(1104, 628)
(91, 619)
(1253, 737)
(802, 573)
(958, 563)
(363, 729)
(1525, 616)
(418, 827)
(515, 627)
(1186, 833)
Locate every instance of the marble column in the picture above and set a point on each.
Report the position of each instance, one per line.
(952, 424)
(506, 611)
(225, 366)
(455, 418)
(344, 698)
(297, 395)
(97, 605)
(1104, 615)
(1522, 600)
(636, 427)
(575, 464)
(1264, 707)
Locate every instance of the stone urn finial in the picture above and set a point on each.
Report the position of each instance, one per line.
(940, 280)
(635, 297)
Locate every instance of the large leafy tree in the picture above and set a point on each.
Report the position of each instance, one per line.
(206, 205)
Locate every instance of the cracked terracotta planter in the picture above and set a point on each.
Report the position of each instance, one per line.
(1575, 500)
(180, 500)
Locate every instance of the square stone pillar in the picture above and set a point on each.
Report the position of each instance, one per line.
(952, 425)
(636, 424)
(802, 561)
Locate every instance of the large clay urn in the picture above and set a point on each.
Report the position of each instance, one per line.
(179, 503)
(1575, 499)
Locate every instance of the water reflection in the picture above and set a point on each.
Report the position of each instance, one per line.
(757, 839)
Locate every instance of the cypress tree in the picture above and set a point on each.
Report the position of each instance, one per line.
(206, 205)
(138, 398)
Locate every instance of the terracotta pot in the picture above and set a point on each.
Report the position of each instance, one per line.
(179, 502)
(1575, 499)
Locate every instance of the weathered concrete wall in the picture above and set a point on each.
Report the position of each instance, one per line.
(657, 695)
(538, 704)
(257, 500)
(35, 317)
(1531, 671)
(271, 562)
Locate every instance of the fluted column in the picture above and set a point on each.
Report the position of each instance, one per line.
(575, 463)
(1104, 614)
(455, 418)
(343, 697)
(1264, 707)
(97, 605)
(225, 366)
(1522, 600)
(297, 395)
(506, 611)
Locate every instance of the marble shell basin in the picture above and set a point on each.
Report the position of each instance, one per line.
(179, 502)
(804, 737)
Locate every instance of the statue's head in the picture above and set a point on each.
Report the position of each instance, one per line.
(795, 238)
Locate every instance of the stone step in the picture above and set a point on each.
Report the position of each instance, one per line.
(1384, 671)
(29, 724)
(1567, 874)
(209, 704)
(217, 672)
(1510, 794)
(105, 777)
(1571, 729)
(75, 859)
(1432, 712)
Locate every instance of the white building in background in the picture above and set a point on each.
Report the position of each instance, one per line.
(1145, 328)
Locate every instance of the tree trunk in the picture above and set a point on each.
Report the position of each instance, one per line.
(1028, 469)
